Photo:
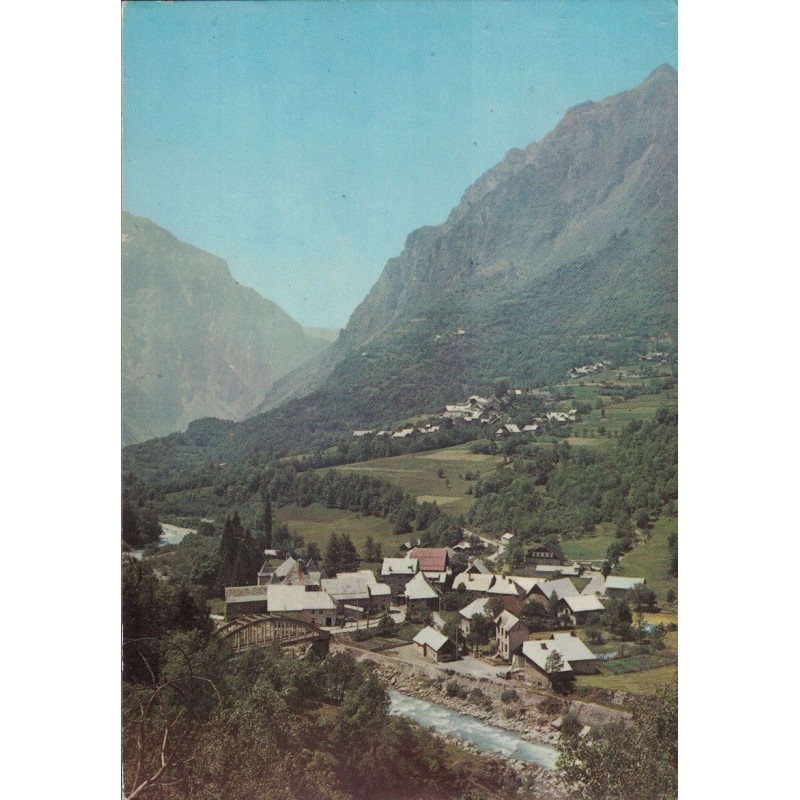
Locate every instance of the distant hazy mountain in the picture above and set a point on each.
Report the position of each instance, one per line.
(564, 252)
(194, 342)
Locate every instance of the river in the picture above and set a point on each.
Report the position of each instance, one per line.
(170, 534)
(485, 737)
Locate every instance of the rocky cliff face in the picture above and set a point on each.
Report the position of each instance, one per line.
(609, 169)
(194, 342)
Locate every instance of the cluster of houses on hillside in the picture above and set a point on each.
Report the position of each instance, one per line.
(401, 434)
(419, 581)
(482, 410)
(587, 369)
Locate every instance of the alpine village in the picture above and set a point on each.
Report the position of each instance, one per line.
(437, 557)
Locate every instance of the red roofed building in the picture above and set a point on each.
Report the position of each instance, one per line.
(434, 563)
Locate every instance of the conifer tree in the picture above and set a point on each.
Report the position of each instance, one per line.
(332, 555)
(348, 555)
(268, 515)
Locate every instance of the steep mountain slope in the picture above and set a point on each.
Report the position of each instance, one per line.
(564, 252)
(608, 167)
(194, 342)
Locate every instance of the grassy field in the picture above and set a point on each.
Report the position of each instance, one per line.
(315, 524)
(646, 682)
(624, 666)
(589, 548)
(418, 474)
(650, 560)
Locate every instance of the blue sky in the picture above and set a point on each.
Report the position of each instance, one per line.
(303, 141)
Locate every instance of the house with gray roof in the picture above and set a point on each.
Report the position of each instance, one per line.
(275, 598)
(576, 657)
(358, 590)
(420, 593)
(579, 609)
(465, 615)
(434, 645)
(396, 572)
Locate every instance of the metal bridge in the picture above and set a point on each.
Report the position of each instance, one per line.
(262, 630)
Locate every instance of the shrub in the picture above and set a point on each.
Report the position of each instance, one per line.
(387, 626)
(476, 693)
(550, 705)
(509, 696)
(453, 689)
(570, 726)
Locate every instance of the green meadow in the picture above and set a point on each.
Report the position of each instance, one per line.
(647, 681)
(650, 560)
(315, 523)
(436, 475)
(591, 547)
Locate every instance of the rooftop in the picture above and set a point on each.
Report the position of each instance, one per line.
(431, 559)
(432, 638)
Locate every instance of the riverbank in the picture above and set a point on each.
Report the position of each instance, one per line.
(520, 716)
(532, 713)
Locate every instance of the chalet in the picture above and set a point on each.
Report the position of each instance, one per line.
(510, 633)
(316, 607)
(362, 433)
(579, 610)
(396, 572)
(506, 538)
(434, 562)
(403, 433)
(531, 427)
(577, 658)
(546, 553)
(435, 645)
(468, 612)
(420, 593)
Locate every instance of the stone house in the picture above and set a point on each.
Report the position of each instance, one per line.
(510, 634)
(434, 645)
